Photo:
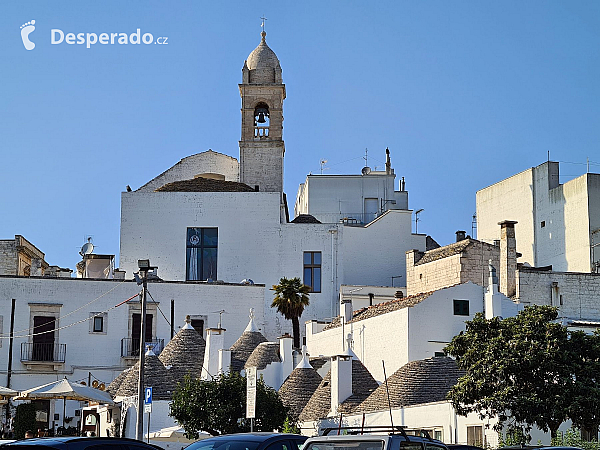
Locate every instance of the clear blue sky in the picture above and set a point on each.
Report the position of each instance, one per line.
(464, 93)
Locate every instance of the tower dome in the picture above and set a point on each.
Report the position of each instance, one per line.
(263, 64)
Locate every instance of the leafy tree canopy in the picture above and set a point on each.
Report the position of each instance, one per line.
(526, 370)
(218, 406)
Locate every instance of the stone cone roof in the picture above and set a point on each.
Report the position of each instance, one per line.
(114, 385)
(184, 354)
(424, 381)
(298, 388)
(243, 348)
(155, 375)
(264, 354)
(319, 405)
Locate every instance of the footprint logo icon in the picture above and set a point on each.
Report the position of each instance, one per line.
(26, 30)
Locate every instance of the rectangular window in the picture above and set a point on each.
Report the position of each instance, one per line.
(201, 254)
(98, 324)
(461, 307)
(312, 270)
(475, 436)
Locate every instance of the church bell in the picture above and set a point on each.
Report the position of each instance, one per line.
(261, 118)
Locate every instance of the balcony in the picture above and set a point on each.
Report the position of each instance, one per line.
(35, 352)
(261, 133)
(130, 348)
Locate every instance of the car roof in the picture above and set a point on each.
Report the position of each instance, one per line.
(258, 436)
(63, 440)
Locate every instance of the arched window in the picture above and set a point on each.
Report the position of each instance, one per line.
(261, 121)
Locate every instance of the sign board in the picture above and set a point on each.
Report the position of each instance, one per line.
(250, 392)
(148, 400)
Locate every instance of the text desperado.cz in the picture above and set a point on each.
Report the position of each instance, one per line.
(58, 36)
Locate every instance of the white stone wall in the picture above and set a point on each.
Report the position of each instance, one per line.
(331, 198)
(375, 253)
(554, 220)
(580, 292)
(509, 199)
(101, 353)
(410, 333)
(189, 167)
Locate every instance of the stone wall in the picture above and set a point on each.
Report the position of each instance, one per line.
(576, 294)
(8, 257)
(470, 264)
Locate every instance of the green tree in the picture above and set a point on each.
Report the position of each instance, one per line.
(518, 369)
(24, 419)
(291, 297)
(218, 406)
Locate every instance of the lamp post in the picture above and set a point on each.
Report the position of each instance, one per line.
(144, 266)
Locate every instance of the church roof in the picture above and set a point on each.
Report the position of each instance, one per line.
(415, 383)
(319, 404)
(184, 353)
(305, 218)
(264, 354)
(200, 184)
(262, 56)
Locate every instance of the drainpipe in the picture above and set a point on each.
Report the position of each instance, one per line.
(333, 231)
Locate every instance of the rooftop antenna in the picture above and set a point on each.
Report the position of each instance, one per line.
(87, 248)
(417, 220)
(220, 315)
(366, 157)
(323, 162)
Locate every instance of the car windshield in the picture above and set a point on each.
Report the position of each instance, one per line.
(223, 444)
(345, 445)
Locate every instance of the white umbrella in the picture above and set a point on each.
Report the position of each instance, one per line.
(66, 390)
(5, 393)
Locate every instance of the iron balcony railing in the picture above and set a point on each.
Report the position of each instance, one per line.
(43, 352)
(130, 348)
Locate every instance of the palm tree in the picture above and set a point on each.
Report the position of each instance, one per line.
(291, 296)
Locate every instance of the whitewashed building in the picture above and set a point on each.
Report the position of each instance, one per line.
(557, 224)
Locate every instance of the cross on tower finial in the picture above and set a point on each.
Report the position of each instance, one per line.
(263, 22)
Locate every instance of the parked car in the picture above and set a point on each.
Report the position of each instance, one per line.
(538, 447)
(79, 443)
(250, 441)
(463, 447)
(378, 438)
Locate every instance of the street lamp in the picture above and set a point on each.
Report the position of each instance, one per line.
(145, 267)
(417, 220)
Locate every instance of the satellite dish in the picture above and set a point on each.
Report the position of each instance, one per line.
(95, 384)
(87, 248)
(102, 386)
(366, 170)
(84, 383)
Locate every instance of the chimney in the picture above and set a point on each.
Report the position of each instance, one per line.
(347, 310)
(493, 302)
(341, 376)
(285, 353)
(215, 341)
(461, 235)
(508, 257)
(388, 163)
(224, 361)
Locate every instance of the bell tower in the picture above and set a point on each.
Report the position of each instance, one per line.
(261, 145)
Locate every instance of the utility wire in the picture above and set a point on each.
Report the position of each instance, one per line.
(68, 314)
(70, 325)
(156, 303)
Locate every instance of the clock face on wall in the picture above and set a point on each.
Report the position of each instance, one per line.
(194, 239)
